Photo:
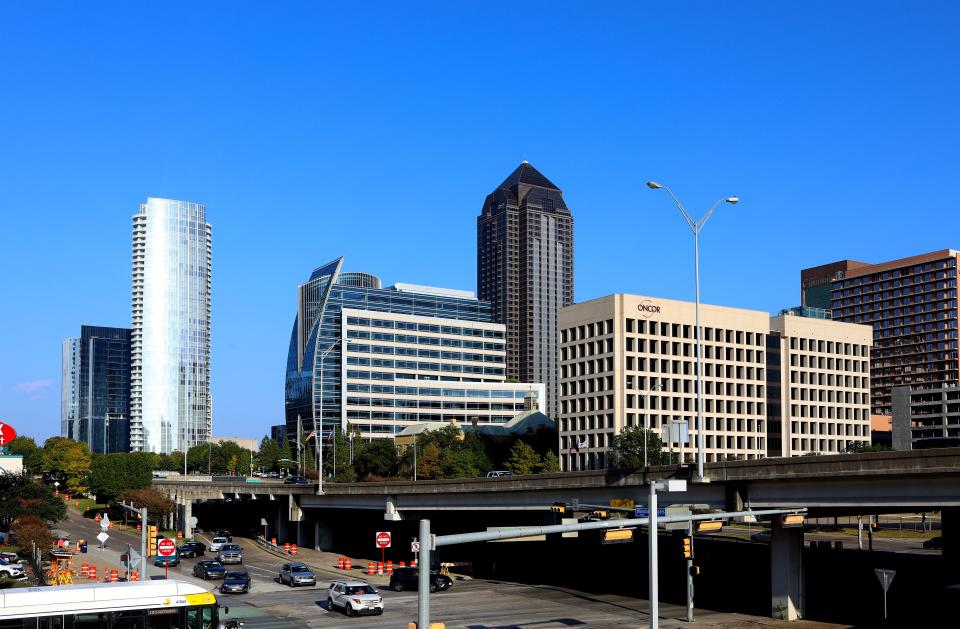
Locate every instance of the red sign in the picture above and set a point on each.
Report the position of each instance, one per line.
(383, 539)
(166, 547)
(7, 434)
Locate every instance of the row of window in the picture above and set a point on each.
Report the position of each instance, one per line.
(412, 351)
(424, 327)
(364, 415)
(435, 391)
(433, 403)
(413, 339)
(829, 429)
(830, 412)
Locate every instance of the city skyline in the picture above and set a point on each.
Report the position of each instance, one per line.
(335, 161)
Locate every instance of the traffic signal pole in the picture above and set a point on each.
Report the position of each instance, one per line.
(690, 574)
(143, 543)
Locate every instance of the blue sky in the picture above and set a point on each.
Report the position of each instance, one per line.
(312, 131)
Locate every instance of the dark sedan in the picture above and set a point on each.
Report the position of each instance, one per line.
(935, 543)
(209, 569)
(295, 480)
(171, 561)
(192, 549)
(408, 579)
(235, 582)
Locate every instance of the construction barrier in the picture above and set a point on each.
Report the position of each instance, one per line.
(371, 568)
(139, 528)
(413, 564)
(84, 570)
(402, 564)
(97, 518)
(179, 534)
(347, 564)
(273, 540)
(92, 573)
(286, 547)
(380, 567)
(114, 576)
(389, 567)
(110, 525)
(134, 576)
(340, 563)
(293, 549)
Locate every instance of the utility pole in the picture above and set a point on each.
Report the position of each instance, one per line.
(690, 573)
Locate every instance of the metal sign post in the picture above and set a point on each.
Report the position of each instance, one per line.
(423, 576)
(886, 578)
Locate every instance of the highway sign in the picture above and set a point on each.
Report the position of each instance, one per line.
(166, 547)
(103, 537)
(644, 512)
(414, 547)
(383, 539)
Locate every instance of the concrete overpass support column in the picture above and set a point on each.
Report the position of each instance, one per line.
(187, 514)
(950, 525)
(296, 518)
(786, 571)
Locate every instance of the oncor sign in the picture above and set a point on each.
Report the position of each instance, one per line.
(166, 547)
(7, 434)
(647, 308)
(383, 539)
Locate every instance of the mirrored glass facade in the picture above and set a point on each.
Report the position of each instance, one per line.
(170, 367)
(104, 389)
(70, 388)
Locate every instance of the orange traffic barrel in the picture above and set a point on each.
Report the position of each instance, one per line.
(347, 564)
(179, 534)
(293, 549)
(114, 576)
(84, 570)
(92, 572)
(273, 540)
(389, 566)
(379, 567)
(413, 564)
(134, 576)
(340, 563)
(371, 568)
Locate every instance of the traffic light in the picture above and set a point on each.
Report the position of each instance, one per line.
(599, 514)
(151, 541)
(559, 507)
(694, 571)
(688, 547)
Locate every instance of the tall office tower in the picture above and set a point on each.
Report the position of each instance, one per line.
(103, 414)
(170, 366)
(380, 359)
(525, 269)
(816, 284)
(69, 388)
(912, 305)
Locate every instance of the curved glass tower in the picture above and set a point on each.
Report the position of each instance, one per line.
(170, 407)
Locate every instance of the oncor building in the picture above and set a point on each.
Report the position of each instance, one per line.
(630, 360)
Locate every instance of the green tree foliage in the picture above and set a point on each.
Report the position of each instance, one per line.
(20, 495)
(428, 461)
(551, 463)
(32, 454)
(523, 459)
(628, 448)
(377, 458)
(68, 462)
(269, 455)
(156, 502)
(862, 446)
(113, 474)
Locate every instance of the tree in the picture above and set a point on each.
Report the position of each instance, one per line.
(20, 495)
(551, 463)
(376, 458)
(156, 502)
(523, 459)
(113, 474)
(428, 462)
(29, 530)
(68, 462)
(269, 455)
(628, 448)
(862, 446)
(32, 455)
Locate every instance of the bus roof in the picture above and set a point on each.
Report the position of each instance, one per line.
(130, 595)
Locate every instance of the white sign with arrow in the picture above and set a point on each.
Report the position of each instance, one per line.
(886, 578)
(103, 537)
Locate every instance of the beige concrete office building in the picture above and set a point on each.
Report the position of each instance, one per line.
(630, 360)
(823, 388)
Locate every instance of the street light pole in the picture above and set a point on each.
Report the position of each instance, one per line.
(696, 227)
(655, 486)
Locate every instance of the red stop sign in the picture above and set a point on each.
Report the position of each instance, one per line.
(7, 434)
(383, 539)
(166, 547)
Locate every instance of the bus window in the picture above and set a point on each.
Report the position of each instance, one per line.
(207, 615)
(91, 621)
(163, 618)
(127, 620)
(50, 622)
(193, 620)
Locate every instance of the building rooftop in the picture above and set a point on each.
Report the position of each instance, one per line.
(433, 290)
(527, 174)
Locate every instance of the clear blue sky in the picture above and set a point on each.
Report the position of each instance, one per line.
(376, 133)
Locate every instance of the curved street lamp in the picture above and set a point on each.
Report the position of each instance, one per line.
(696, 226)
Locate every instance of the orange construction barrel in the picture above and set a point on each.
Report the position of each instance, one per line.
(371, 568)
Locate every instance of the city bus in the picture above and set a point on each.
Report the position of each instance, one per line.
(160, 604)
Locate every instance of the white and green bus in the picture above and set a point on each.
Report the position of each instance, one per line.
(160, 604)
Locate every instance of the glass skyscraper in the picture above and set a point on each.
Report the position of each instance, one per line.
(380, 358)
(170, 406)
(525, 269)
(70, 388)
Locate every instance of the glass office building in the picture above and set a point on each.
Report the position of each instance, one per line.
(170, 406)
(69, 388)
(401, 354)
(104, 392)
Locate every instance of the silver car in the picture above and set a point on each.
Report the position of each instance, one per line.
(296, 573)
(11, 570)
(230, 553)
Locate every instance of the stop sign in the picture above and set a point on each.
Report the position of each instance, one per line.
(166, 547)
(7, 434)
(383, 539)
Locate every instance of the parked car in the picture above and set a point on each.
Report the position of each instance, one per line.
(934, 542)
(296, 480)
(762, 536)
(296, 573)
(235, 582)
(12, 570)
(171, 561)
(8, 556)
(225, 533)
(408, 579)
(192, 549)
(230, 553)
(209, 569)
(499, 473)
(354, 597)
(217, 543)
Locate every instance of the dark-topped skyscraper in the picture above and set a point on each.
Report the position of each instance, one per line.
(525, 269)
